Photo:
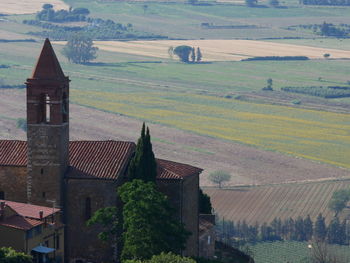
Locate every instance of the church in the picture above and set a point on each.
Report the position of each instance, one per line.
(79, 177)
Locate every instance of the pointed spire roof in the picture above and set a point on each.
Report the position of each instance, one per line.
(47, 66)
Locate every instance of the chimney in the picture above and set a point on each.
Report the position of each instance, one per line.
(41, 215)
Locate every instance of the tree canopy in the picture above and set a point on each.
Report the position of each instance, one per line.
(143, 165)
(9, 255)
(79, 49)
(149, 224)
(218, 177)
(164, 258)
(204, 203)
(339, 200)
(183, 52)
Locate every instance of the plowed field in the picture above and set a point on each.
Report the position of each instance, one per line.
(264, 203)
(28, 6)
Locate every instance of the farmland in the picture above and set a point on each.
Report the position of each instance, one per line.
(219, 50)
(264, 203)
(291, 251)
(28, 6)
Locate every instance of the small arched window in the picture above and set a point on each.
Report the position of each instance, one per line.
(87, 208)
(65, 107)
(2, 195)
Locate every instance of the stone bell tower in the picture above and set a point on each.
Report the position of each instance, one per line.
(48, 129)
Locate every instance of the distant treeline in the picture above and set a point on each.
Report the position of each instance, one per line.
(326, 2)
(17, 40)
(325, 92)
(212, 26)
(277, 58)
(326, 29)
(12, 86)
(300, 229)
(96, 28)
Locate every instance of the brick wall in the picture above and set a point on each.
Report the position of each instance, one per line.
(13, 183)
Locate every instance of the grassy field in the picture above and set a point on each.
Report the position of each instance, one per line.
(155, 92)
(291, 251)
(264, 203)
(219, 50)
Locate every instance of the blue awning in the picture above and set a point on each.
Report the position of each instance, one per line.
(43, 250)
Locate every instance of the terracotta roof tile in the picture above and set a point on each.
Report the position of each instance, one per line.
(173, 170)
(19, 222)
(28, 210)
(96, 159)
(102, 159)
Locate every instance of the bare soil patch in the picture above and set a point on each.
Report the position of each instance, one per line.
(28, 6)
(248, 165)
(221, 50)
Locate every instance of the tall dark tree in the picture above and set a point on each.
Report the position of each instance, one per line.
(183, 52)
(143, 165)
(204, 203)
(199, 55)
(308, 228)
(320, 230)
(149, 225)
(193, 55)
(333, 231)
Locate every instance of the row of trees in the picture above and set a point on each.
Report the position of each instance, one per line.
(325, 92)
(326, 2)
(298, 230)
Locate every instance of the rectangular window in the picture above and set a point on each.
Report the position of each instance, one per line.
(30, 233)
(2, 195)
(48, 110)
(58, 242)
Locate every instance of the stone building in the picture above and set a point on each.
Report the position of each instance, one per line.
(80, 176)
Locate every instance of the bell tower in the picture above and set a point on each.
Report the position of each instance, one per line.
(47, 129)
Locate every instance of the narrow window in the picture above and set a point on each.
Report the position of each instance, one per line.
(2, 195)
(44, 194)
(87, 208)
(64, 108)
(58, 242)
(42, 171)
(47, 102)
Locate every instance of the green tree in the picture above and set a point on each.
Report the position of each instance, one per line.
(9, 255)
(47, 6)
(218, 177)
(164, 258)
(79, 49)
(274, 3)
(143, 165)
(251, 3)
(205, 206)
(193, 55)
(149, 225)
(183, 52)
(320, 229)
(308, 228)
(339, 200)
(109, 219)
(199, 55)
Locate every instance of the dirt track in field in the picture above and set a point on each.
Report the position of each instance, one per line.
(220, 50)
(28, 6)
(248, 165)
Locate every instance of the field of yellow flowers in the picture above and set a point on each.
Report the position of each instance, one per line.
(316, 135)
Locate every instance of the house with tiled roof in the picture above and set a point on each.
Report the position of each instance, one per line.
(32, 229)
(80, 176)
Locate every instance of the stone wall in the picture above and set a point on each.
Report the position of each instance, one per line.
(82, 242)
(13, 183)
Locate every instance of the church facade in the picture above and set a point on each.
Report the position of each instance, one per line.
(79, 177)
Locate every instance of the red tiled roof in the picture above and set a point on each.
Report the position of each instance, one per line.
(28, 210)
(13, 153)
(19, 222)
(102, 159)
(173, 170)
(96, 159)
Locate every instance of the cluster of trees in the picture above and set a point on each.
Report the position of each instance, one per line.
(187, 54)
(8, 255)
(79, 49)
(254, 3)
(326, 2)
(278, 58)
(49, 14)
(146, 223)
(325, 92)
(298, 230)
(96, 28)
(327, 29)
